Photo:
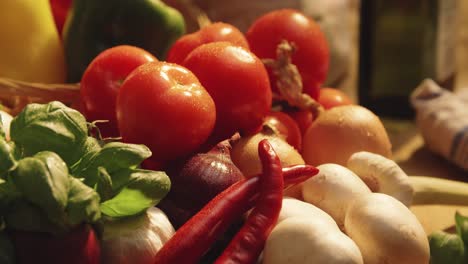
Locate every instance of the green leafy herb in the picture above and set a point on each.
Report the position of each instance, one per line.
(462, 227)
(446, 248)
(104, 184)
(450, 248)
(43, 180)
(113, 157)
(7, 255)
(8, 194)
(28, 217)
(53, 127)
(83, 203)
(55, 176)
(7, 159)
(137, 191)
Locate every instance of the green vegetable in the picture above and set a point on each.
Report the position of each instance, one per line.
(450, 248)
(53, 127)
(7, 159)
(28, 217)
(137, 191)
(461, 223)
(54, 176)
(6, 250)
(113, 157)
(8, 194)
(83, 203)
(46, 176)
(94, 26)
(446, 248)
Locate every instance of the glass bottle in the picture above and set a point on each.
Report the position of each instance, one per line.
(402, 43)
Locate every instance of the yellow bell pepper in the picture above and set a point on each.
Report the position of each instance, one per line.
(30, 47)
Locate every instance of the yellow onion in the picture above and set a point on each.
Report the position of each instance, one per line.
(339, 132)
(244, 154)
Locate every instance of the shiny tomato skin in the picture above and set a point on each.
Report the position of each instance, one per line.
(331, 97)
(101, 82)
(312, 54)
(164, 106)
(237, 81)
(303, 118)
(286, 127)
(214, 32)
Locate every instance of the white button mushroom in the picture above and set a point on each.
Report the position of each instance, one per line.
(296, 208)
(386, 231)
(382, 175)
(300, 240)
(332, 189)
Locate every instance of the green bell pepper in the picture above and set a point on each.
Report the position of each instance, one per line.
(95, 25)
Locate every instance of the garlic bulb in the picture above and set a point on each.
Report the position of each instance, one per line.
(136, 239)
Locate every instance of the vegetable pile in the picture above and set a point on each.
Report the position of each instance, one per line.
(230, 134)
(59, 185)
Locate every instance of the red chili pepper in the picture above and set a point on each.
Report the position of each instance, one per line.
(248, 243)
(199, 233)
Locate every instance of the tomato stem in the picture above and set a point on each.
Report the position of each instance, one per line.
(289, 81)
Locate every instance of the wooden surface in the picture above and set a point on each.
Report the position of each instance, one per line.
(410, 153)
(415, 159)
(408, 146)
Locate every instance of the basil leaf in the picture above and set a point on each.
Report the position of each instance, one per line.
(113, 157)
(8, 194)
(104, 184)
(83, 203)
(7, 159)
(446, 248)
(43, 181)
(53, 126)
(7, 253)
(138, 190)
(28, 217)
(90, 147)
(91, 144)
(461, 223)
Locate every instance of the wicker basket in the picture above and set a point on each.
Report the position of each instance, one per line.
(14, 94)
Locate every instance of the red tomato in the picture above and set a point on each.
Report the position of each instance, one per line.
(287, 127)
(212, 33)
(164, 106)
(303, 118)
(331, 97)
(312, 54)
(101, 82)
(238, 82)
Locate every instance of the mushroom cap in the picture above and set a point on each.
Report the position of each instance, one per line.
(332, 189)
(299, 240)
(386, 231)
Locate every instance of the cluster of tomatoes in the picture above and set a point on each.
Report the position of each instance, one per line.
(212, 84)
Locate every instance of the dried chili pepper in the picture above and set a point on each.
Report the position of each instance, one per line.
(248, 243)
(199, 233)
